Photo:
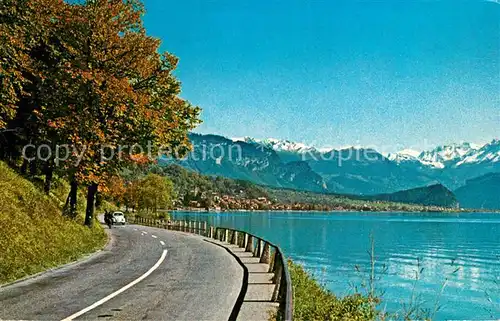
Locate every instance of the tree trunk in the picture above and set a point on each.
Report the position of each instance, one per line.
(72, 198)
(33, 168)
(49, 171)
(89, 213)
(24, 166)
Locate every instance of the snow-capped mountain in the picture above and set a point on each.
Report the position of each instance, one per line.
(442, 156)
(451, 155)
(406, 155)
(489, 153)
(355, 170)
(279, 145)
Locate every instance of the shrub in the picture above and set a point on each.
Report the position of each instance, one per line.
(314, 302)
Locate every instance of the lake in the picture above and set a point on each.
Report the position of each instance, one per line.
(458, 254)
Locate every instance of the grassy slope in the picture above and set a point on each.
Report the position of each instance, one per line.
(314, 302)
(34, 236)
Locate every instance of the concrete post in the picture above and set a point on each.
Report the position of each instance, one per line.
(226, 236)
(243, 240)
(266, 254)
(277, 279)
(278, 266)
(258, 248)
(272, 263)
(234, 238)
(249, 247)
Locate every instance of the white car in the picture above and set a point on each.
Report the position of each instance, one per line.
(119, 218)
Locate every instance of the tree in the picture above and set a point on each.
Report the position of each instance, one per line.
(116, 190)
(85, 74)
(131, 196)
(155, 192)
(25, 29)
(117, 91)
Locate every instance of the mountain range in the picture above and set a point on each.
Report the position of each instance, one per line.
(354, 170)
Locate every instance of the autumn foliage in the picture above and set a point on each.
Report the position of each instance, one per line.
(86, 75)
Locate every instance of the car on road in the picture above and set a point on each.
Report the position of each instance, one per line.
(119, 218)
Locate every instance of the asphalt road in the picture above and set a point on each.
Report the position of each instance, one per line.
(146, 274)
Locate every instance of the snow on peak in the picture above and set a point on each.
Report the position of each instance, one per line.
(404, 155)
(488, 153)
(286, 145)
(282, 145)
(410, 152)
(439, 157)
(447, 153)
(443, 156)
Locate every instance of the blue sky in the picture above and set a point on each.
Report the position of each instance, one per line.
(392, 74)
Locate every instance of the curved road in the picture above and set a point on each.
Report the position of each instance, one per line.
(145, 274)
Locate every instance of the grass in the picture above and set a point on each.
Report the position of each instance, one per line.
(34, 236)
(313, 302)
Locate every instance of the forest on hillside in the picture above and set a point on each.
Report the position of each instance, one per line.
(84, 93)
(191, 189)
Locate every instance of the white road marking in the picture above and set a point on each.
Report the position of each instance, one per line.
(154, 236)
(162, 243)
(126, 287)
(144, 232)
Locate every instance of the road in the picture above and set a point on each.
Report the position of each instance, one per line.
(145, 274)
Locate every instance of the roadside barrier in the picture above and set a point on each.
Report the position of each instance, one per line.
(268, 253)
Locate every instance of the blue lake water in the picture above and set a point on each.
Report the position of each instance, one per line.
(459, 254)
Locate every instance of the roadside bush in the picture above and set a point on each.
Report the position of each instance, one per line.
(314, 302)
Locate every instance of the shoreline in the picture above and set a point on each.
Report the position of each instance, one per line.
(200, 210)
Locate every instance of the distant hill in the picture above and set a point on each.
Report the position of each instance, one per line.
(354, 171)
(482, 192)
(217, 155)
(190, 185)
(433, 195)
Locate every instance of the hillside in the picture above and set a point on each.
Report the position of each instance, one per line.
(187, 182)
(482, 192)
(434, 195)
(34, 236)
(217, 155)
(196, 190)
